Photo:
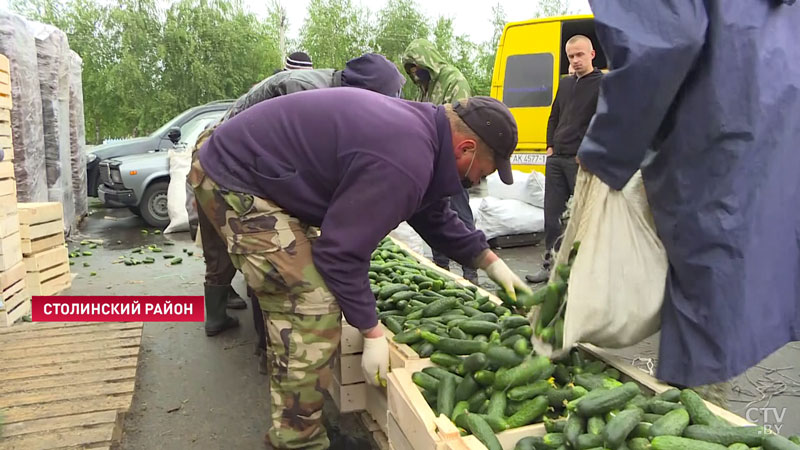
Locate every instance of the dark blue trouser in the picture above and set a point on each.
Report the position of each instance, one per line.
(459, 204)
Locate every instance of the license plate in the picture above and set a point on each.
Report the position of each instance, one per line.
(528, 159)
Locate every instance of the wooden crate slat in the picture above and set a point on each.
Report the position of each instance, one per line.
(77, 436)
(8, 318)
(349, 397)
(5, 101)
(70, 369)
(4, 65)
(9, 225)
(8, 153)
(58, 423)
(5, 115)
(5, 129)
(36, 280)
(8, 204)
(59, 393)
(8, 186)
(11, 297)
(351, 341)
(33, 213)
(41, 261)
(53, 286)
(43, 329)
(67, 407)
(348, 368)
(40, 230)
(46, 341)
(10, 251)
(10, 277)
(5, 78)
(10, 355)
(377, 406)
(68, 381)
(39, 245)
(69, 357)
(6, 168)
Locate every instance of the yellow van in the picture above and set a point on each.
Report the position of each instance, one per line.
(530, 61)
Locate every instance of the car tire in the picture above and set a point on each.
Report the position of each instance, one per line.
(135, 210)
(154, 205)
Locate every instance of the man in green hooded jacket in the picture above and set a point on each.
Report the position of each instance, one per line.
(440, 82)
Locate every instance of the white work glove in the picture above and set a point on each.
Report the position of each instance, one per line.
(375, 360)
(499, 272)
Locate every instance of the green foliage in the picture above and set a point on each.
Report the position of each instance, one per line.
(144, 64)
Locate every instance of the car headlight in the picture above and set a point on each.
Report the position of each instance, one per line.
(116, 177)
(90, 158)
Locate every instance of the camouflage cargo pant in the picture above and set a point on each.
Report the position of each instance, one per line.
(273, 251)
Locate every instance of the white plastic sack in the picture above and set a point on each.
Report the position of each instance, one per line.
(405, 234)
(180, 161)
(527, 187)
(498, 217)
(617, 281)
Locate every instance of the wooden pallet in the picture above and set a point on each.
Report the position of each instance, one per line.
(66, 385)
(34, 213)
(6, 134)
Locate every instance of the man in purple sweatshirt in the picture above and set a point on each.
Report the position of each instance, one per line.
(356, 164)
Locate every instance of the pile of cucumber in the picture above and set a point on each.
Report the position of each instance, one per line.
(423, 308)
(582, 403)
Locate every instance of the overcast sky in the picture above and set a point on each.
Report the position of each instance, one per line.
(470, 17)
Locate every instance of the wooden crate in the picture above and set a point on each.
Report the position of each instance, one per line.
(5, 134)
(41, 226)
(9, 224)
(14, 297)
(48, 271)
(8, 205)
(10, 251)
(347, 368)
(377, 407)
(67, 385)
(348, 397)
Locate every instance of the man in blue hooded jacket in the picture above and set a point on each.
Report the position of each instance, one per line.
(704, 96)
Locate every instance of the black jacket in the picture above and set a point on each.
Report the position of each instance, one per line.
(573, 108)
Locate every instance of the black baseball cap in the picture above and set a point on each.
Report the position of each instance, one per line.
(492, 121)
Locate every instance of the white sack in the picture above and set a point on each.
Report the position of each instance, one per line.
(527, 187)
(616, 285)
(498, 217)
(180, 162)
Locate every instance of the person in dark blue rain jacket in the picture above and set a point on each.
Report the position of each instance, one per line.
(704, 96)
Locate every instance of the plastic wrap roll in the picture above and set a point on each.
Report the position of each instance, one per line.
(77, 136)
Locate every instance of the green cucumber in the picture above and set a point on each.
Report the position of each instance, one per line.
(593, 382)
(445, 359)
(776, 442)
(530, 443)
(498, 423)
(511, 340)
(651, 418)
(425, 381)
(601, 402)
(576, 425)
(557, 397)
(477, 400)
(641, 431)
(554, 440)
(681, 443)
(439, 373)
(500, 356)
(529, 391)
(458, 333)
(425, 350)
(670, 395)
(408, 337)
(554, 426)
(513, 321)
(438, 307)
(752, 436)
(528, 412)
(639, 444)
(619, 427)
(587, 441)
(595, 367)
(550, 305)
(522, 347)
(481, 430)
(698, 411)
(466, 388)
(460, 408)
(484, 377)
(391, 289)
(497, 404)
(671, 424)
(528, 371)
(473, 326)
(657, 406)
(795, 439)
(738, 446)
(475, 362)
(640, 401)
(394, 325)
(485, 317)
(561, 374)
(502, 311)
(445, 398)
(454, 346)
(595, 425)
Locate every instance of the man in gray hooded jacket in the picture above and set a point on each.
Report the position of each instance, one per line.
(370, 71)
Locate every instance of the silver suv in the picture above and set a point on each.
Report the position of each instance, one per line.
(140, 182)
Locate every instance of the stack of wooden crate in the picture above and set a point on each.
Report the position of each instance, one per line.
(46, 256)
(14, 299)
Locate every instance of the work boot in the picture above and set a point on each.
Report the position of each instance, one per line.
(217, 320)
(539, 276)
(234, 301)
